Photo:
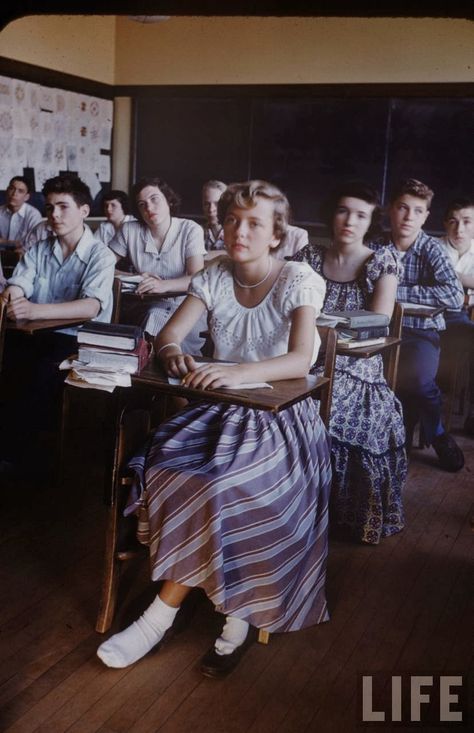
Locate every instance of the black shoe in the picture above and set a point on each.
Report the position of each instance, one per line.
(469, 424)
(220, 665)
(450, 455)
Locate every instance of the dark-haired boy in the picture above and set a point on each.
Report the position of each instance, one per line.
(459, 244)
(17, 217)
(67, 275)
(428, 279)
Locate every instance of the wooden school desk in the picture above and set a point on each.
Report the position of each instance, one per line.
(149, 382)
(36, 325)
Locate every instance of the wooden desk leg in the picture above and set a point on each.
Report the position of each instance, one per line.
(263, 636)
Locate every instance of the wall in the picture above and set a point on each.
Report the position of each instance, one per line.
(294, 50)
(79, 45)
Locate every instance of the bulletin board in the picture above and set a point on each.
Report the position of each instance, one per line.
(45, 131)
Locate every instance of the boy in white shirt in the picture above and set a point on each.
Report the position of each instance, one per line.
(17, 217)
(459, 244)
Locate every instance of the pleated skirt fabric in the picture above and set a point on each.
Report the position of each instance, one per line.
(235, 501)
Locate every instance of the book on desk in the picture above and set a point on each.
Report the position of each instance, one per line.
(114, 335)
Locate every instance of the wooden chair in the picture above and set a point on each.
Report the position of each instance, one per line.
(392, 356)
(9, 259)
(133, 428)
(117, 300)
(328, 353)
(3, 321)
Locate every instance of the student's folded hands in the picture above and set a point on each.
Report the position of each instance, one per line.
(152, 284)
(213, 376)
(20, 308)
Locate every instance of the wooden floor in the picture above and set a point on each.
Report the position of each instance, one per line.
(402, 607)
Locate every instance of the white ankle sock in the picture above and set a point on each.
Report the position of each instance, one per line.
(233, 635)
(137, 639)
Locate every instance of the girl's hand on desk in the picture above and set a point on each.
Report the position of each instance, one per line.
(152, 284)
(179, 365)
(213, 376)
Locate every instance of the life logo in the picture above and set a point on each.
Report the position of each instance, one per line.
(414, 700)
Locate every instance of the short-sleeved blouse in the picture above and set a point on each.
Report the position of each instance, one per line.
(184, 239)
(353, 294)
(251, 334)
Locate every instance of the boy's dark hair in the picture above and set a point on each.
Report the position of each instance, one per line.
(120, 196)
(462, 202)
(245, 196)
(412, 187)
(23, 179)
(72, 185)
(171, 196)
(357, 190)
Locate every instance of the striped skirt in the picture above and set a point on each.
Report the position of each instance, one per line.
(235, 501)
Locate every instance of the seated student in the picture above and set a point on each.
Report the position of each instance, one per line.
(213, 233)
(166, 250)
(242, 511)
(295, 239)
(459, 243)
(428, 279)
(368, 437)
(17, 217)
(117, 211)
(68, 276)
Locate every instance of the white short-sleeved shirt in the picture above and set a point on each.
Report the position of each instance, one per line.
(251, 334)
(106, 230)
(15, 226)
(46, 277)
(295, 239)
(183, 240)
(463, 264)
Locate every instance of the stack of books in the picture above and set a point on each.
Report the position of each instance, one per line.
(108, 354)
(357, 328)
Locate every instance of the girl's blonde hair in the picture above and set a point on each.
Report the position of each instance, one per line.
(246, 195)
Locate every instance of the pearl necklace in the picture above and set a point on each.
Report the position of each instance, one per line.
(260, 282)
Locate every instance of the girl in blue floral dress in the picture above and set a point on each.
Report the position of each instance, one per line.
(369, 459)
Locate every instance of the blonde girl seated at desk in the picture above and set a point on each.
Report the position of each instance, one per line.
(231, 499)
(366, 425)
(166, 250)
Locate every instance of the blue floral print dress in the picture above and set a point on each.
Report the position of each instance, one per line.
(366, 426)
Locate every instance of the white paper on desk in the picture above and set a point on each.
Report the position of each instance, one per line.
(249, 385)
(129, 277)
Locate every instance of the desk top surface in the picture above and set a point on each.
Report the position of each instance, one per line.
(285, 392)
(43, 324)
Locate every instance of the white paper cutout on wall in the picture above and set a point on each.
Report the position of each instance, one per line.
(91, 180)
(5, 148)
(71, 154)
(33, 93)
(20, 152)
(104, 170)
(19, 96)
(6, 174)
(5, 91)
(46, 125)
(21, 123)
(46, 102)
(105, 141)
(59, 156)
(6, 122)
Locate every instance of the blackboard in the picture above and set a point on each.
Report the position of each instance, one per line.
(306, 144)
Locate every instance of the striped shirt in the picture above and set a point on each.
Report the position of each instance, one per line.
(183, 240)
(428, 279)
